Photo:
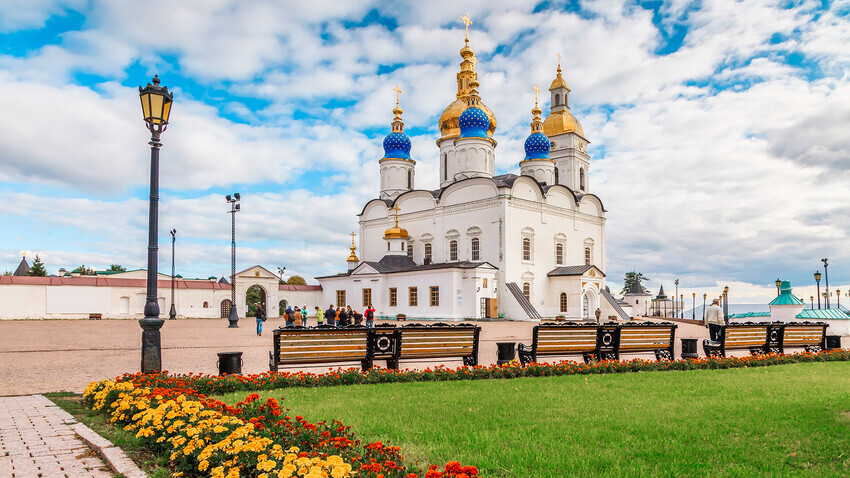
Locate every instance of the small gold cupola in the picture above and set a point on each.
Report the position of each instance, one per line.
(352, 259)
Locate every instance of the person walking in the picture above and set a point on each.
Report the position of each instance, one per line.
(330, 316)
(714, 318)
(320, 316)
(598, 313)
(290, 316)
(370, 316)
(304, 316)
(261, 317)
(298, 318)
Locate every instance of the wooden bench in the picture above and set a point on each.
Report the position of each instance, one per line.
(550, 339)
(654, 337)
(811, 335)
(753, 337)
(417, 342)
(325, 344)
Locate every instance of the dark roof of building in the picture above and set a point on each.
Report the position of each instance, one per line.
(223, 280)
(607, 295)
(637, 288)
(661, 294)
(572, 270)
(23, 268)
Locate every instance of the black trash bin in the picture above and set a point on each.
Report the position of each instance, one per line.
(506, 352)
(689, 348)
(230, 363)
(833, 342)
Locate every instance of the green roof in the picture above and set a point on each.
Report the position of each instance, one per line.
(823, 314)
(749, 314)
(786, 297)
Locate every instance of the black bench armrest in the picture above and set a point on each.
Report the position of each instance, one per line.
(526, 354)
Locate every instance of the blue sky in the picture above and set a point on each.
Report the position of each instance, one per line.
(717, 128)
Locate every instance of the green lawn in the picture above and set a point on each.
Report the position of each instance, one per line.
(788, 420)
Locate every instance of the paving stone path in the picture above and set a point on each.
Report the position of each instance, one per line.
(36, 440)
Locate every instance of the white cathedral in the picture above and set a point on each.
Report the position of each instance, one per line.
(522, 247)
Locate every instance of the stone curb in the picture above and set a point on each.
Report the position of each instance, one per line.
(111, 454)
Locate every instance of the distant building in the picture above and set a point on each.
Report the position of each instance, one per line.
(123, 295)
(787, 307)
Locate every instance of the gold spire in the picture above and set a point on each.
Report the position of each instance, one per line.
(559, 82)
(536, 123)
(352, 257)
(396, 232)
(398, 125)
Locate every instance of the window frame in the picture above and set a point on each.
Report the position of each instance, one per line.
(526, 251)
(475, 249)
(429, 252)
(393, 296)
(340, 294)
(367, 296)
(526, 290)
(453, 250)
(563, 302)
(559, 253)
(434, 295)
(413, 297)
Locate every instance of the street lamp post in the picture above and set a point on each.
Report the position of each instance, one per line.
(812, 298)
(235, 207)
(694, 306)
(281, 271)
(172, 314)
(681, 306)
(726, 304)
(704, 296)
(826, 276)
(156, 109)
(674, 298)
(778, 283)
(817, 280)
(838, 298)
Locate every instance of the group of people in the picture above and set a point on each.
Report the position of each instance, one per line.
(336, 317)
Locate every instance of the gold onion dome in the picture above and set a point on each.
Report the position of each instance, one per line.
(448, 122)
(396, 232)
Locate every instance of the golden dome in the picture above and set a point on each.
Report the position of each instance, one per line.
(396, 232)
(558, 82)
(560, 122)
(448, 120)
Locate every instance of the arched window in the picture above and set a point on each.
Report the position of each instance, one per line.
(453, 251)
(557, 99)
(428, 252)
(206, 304)
(581, 179)
(559, 254)
(444, 167)
(388, 247)
(410, 251)
(557, 176)
(585, 306)
(587, 256)
(563, 301)
(526, 248)
(476, 249)
(409, 179)
(526, 290)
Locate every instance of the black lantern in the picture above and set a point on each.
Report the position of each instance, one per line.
(778, 283)
(156, 105)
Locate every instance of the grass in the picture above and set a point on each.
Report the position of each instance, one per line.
(155, 467)
(790, 420)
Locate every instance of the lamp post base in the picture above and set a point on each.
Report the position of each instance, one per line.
(172, 315)
(233, 318)
(151, 344)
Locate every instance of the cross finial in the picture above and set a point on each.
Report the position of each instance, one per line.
(536, 94)
(559, 59)
(396, 209)
(353, 235)
(466, 21)
(397, 92)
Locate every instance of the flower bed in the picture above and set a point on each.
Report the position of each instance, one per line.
(213, 384)
(206, 437)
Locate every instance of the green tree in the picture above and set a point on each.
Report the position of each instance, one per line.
(84, 271)
(629, 281)
(7, 273)
(296, 280)
(117, 268)
(253, 296)
(37, 268)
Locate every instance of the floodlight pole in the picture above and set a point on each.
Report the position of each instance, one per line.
(233, 318)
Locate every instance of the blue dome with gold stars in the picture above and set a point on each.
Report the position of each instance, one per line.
(537, 146)
(473, 123)
(397, 145)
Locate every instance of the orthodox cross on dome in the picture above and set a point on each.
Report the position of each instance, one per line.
(353, 235)
(559, 59)
(466, 21)
(536, 94)
(397, 93)
(396, 209)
